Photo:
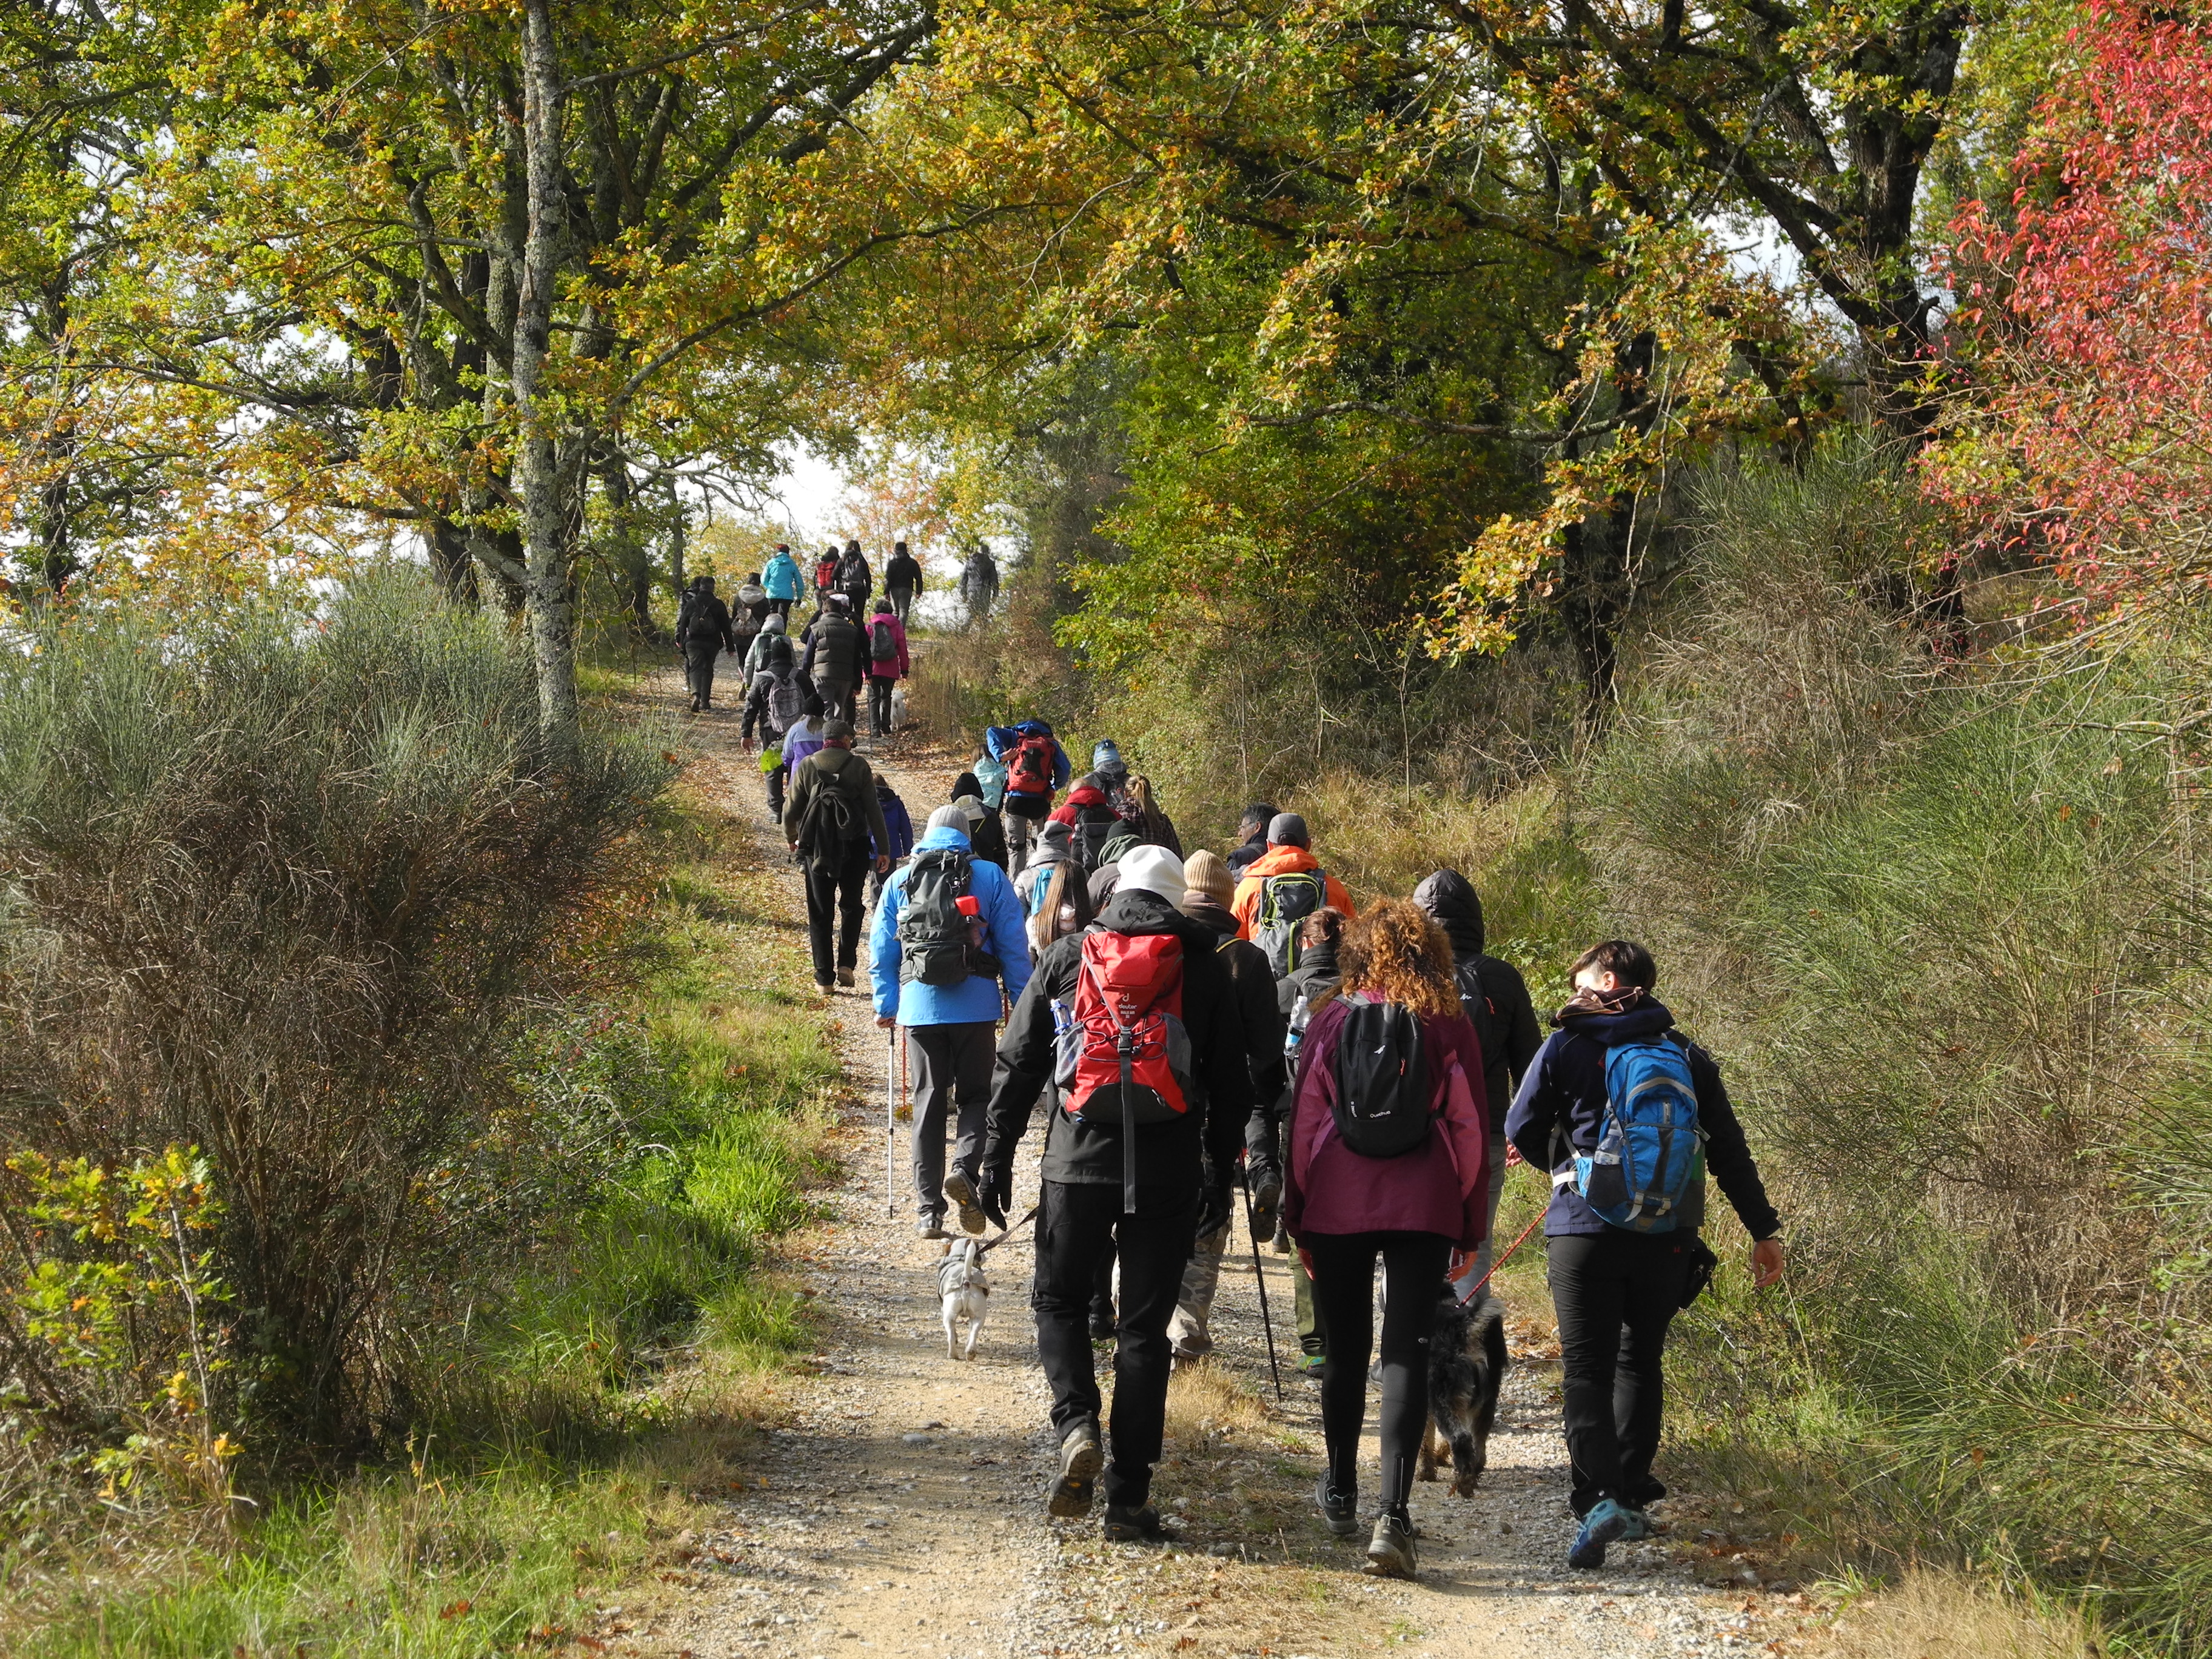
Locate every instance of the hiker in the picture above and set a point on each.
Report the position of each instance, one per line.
(1388, 1141)
(991, 772)
(1097, 808)
(903, 580)
(1206, 888)
(1496, 998)
(1251, 837)
(833, 657)
(1106, 879)
(748, 615)
(1052, 889)
(831, 820)
(978, 583)
(1144, 1167)
(887, 664)
(854, 579)
(1618, 1271)
(1037, 770)
(802, 739)
(703, 629)
(988, 839)
(783, 580)
(947, 937)
(1154, 827)
(1309, 989)
(776, 706)
(1282, 887)
(899, 822)
(772, 640)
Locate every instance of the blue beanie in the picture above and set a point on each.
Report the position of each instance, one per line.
(1107, 757)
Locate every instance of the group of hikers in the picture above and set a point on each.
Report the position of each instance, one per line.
(1367, 1069)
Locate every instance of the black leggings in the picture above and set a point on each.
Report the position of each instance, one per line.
(1344, 1296)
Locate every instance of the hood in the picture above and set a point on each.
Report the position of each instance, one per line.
(966, 784)
(1283, 861)
(937, 838)
(1450, 899)
(1640, 1023)
(1088, 792)
(776, 623)
(1209, 913)
(751, 592)
(834, 760)
(1137, 910)
(1316, 969)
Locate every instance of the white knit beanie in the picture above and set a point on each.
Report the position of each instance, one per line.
(1154, 869)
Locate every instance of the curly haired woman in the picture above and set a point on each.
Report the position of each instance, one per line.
(1409, 1208)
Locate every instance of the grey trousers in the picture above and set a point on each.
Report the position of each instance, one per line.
(952, 1074)
(1020, 832)
(1201, 1278)
(1479, 1264)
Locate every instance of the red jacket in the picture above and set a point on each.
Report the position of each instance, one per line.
(1442, 1186)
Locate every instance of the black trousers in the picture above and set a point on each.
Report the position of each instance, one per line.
(879, 705)
(1344, 1298)
(699, 672)
(951, 1066)
(1615, 1293)
(781, 608)
(1077, 1223)
(829, 887)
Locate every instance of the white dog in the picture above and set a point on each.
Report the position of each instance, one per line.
(965, 1293)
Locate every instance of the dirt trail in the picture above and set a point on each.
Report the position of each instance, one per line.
(901, 1510)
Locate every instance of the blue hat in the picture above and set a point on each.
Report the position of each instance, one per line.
(1107, 757)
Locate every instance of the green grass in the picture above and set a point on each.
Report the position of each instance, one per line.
(609, 1377)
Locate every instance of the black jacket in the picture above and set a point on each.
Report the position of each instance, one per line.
(1174, 1159)
(854, 577)
(987, 840)
(1491, 991)
(904, 571)
(707, 625)
(1565, 1086)
(833, 654)
(1254, 982)
(1244, 851)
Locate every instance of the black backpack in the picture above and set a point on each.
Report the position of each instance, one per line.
(835, 823)
(1482, 1013)
(1382, 1080)
(932, 934)
(684, 611)
(883, 642)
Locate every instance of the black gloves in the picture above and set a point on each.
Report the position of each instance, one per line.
(994, 1185)
(1212, 1210)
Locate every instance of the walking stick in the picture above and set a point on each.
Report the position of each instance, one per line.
(1260, 1278)
(890, 1122)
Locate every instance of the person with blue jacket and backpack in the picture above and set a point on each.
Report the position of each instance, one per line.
(1628, 1114)
(947, 936)
(782, 580)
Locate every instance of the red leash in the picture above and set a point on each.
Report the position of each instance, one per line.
(1512, 1158)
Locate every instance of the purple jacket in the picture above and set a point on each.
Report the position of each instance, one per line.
(1443, 1187)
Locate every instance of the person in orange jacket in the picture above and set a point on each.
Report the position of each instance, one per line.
(1282, 887)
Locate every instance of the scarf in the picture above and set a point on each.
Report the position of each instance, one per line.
(1599, 1002)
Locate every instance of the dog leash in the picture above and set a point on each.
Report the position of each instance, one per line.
(994, 1243)
(1512, 1157)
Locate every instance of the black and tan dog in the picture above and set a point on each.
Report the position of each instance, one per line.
(1466, 1368)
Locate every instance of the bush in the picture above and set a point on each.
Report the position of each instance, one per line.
(276, 888)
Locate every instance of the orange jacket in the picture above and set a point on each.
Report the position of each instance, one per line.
(1280, 861)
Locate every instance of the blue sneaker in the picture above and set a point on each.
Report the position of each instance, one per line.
(1605, 1523)
(1639, 1528)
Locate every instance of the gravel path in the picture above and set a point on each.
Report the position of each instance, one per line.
(901, 1512)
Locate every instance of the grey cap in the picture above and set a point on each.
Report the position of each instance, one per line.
(838, 728)
(1288, 830)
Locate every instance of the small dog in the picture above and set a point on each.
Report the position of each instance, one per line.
(1466, 1368)
(898, 707)
(964, 1290)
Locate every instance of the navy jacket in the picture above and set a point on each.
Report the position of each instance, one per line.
(1565, 1084)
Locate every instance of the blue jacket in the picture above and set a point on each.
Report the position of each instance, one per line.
(999, 742)
(783, 579)
(1565, 1087)
(896, 822)
(974, 999)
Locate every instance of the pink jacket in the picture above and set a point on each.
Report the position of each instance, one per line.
(1441, 1188)
(891, 668)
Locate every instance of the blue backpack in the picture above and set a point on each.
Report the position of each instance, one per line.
(1651, 1152)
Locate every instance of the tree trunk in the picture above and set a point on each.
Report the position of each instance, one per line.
(449, 555)
(539, 472)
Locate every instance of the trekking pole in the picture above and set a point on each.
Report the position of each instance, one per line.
(1260, 1278)
(890, 1122)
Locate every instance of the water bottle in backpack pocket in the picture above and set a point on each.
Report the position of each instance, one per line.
(1650, 1154)
(934, 929)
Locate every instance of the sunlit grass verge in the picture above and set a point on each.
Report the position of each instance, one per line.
(587, 1393)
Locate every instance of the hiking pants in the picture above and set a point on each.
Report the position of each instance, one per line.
(879, 705)
(1201, 1278)
(781, 608)
(1263, 1146)
(1077, 1222)
(699, 671)
(829, 887)
(776, 780)
(1478, 1263)
(1020, 832)
(1614, 1292)
(1343, 1289)
(952, 1069)
(901, 600)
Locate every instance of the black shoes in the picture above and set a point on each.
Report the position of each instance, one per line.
(1137, 1526)
(1390, 1551)
(1081, 1457)
(1102, 1324)
(1339, 1511)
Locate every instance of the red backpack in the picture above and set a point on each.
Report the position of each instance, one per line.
(1028, 772)
(1124, 1057)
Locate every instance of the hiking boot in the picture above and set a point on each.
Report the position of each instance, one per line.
(1137, 1526)
(1101, 1325)
(1339, 1511)
(932, 1226)
(1390, 1551)
(1081, 1457)
(845, 977)
(961, 1191)
(1605, 1523)
(1311, 1368)
(1639, 1528)
(1266, 1200)
(1280, 1243)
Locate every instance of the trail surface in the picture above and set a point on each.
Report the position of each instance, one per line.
(901, 1510)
